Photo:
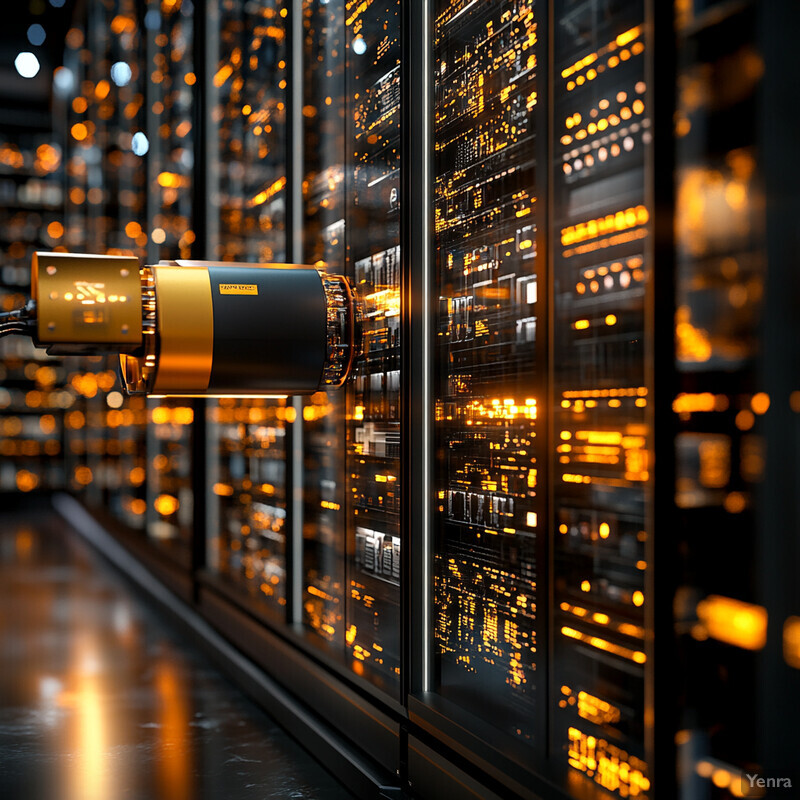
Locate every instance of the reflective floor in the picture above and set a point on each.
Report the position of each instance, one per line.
(100, 700)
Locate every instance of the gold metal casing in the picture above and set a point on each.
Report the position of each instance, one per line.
(87, 302)
(185, 318)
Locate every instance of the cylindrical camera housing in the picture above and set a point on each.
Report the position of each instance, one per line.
(201, 328)
(230, 329)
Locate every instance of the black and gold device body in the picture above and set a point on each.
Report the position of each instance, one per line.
(196, 328)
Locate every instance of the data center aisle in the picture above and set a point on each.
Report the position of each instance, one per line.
(100, 700)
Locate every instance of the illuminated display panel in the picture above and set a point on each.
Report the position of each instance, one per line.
(248, 437)
(720, 406)
(372, 213)
(602, 442)
(489, 502)
(324, 246)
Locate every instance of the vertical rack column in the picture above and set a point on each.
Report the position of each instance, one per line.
(660, 693)
(417, 311)
(204, 57)
(294, 253)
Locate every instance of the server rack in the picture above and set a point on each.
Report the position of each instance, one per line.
(471, 554)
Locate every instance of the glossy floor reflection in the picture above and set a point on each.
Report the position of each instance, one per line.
(100, 700)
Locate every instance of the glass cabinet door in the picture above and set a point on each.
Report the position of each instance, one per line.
(247, 439)
(372, 186)
(351, 561)
(349, 570)
(171, 96)
(489, 376)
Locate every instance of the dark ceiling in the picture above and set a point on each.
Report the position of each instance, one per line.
(25, 102)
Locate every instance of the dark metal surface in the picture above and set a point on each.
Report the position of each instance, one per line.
(660, 579)
(99, 699)
(286, 322)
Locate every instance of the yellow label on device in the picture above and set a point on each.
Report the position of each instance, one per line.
(238, 288)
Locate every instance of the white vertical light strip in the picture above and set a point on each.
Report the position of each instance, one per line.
(296, 532)
(210, 153)
(426, 229)
(294, 241)
(295, 148)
